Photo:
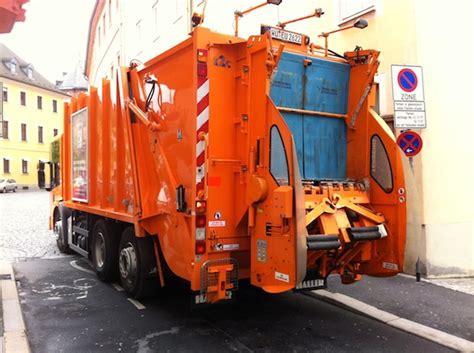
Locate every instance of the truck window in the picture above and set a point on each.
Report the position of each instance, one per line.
(380, 168)
(278, 160)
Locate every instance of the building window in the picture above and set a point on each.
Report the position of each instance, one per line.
(23, 98)
(5, 129)
(5, 94)
(24, 166)
(30, 73)
(23, 132)
(55, 132)
(350, 9)
(103, 24)
(6, 166)
(40, 134)
(13, 67)
(55, 106)
(39, 102)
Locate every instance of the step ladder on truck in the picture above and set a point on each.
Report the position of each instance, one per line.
(224, 159)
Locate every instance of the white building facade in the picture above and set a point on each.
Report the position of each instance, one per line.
(125, 30)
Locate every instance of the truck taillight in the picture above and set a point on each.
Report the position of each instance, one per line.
(200, 247)
(202, 63)
(202, 69)
(200, 207)
(200, 222)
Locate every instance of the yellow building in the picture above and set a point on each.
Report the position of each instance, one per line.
(31, 116)
(409, 32)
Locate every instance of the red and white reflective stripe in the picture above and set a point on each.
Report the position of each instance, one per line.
(202, 125)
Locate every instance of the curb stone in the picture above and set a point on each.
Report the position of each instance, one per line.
(428, 333)
(14, 335)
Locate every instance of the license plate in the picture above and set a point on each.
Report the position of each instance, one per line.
(286, 36)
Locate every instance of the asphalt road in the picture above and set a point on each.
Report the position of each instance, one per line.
(428, 304)
(69, 310)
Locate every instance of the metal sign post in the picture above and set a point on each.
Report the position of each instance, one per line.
(408, 97)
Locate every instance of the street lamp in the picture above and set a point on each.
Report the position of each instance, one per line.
(360, 23)
(238, 14)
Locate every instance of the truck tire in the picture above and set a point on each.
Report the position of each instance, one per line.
(61, 215)
(136, 261)
(105, 243)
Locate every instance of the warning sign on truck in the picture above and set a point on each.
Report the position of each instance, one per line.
(408, 97)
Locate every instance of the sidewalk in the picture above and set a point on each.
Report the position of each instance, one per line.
(12, 327)
(428, 302)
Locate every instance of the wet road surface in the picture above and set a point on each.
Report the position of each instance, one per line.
(68, 309)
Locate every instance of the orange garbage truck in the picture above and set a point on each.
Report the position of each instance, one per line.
(225, 159)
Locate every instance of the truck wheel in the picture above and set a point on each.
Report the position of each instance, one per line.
(105, 250)
(60, 228)
(136, 261)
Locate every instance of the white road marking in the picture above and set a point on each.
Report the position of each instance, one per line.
(137, 304)
(429, 333)
(74, 264)
(117, 287)
(143, 342)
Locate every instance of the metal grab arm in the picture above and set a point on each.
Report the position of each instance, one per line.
(143, 117)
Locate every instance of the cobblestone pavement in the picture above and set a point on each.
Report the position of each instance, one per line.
(24, 229)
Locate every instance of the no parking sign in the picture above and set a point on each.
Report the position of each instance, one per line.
(408, 97)
(410, 143)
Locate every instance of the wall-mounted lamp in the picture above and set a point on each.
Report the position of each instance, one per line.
(238, 14)
(317, 13)
(360, 23)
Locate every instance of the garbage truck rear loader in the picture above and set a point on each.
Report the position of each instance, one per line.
(228, 159)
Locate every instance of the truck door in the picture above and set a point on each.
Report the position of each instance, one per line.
(278, 252)
(387, 196)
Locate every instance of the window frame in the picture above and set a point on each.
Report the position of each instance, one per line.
(40, 134)
(6, 163)
(5, 129)
(24, 134)
(270, 156)
(39, 102)
(55, 106)
(24, 166)
(389, 164)
(5, 94)
(344, 18)
(55, 132)
(23, 98)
